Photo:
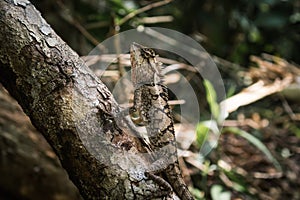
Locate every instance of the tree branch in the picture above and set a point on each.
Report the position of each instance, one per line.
(69, 106)
(26, 156)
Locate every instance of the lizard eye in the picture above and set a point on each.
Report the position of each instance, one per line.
(135, 116)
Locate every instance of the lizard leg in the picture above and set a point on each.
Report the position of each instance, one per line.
(159, 181)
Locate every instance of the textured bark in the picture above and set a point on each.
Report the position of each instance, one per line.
(68, 105)
(28, 167)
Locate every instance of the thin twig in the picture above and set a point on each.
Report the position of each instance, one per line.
(69, 18)
(84, 32)
(143, 9)
(156, 19)
(287, 108)
(99, 24)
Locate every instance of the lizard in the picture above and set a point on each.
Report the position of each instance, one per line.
(151, 109)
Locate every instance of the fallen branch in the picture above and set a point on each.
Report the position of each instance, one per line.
(271, 78)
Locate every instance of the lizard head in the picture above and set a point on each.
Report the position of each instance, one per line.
(145, 67)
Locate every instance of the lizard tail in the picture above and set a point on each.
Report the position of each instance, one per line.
(174, 176)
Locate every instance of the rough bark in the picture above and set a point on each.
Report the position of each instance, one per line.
(28, 167)
(68, 105)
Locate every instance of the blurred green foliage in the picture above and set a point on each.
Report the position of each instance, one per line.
(230, 29)
(236, 29)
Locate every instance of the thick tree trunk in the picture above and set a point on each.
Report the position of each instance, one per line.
(69, 106)
(28, 167)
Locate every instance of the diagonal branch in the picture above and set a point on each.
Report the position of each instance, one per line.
(143, 9)
(69, 106)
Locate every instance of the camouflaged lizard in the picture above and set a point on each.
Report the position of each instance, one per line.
(151, 110)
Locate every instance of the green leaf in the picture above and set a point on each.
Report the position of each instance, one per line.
(218, 193)
(295, 130)
(254, 34)
(202, 131)
(207, 136)
(231, 91)
(197, 193)
(238, 182)
(211, 98)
